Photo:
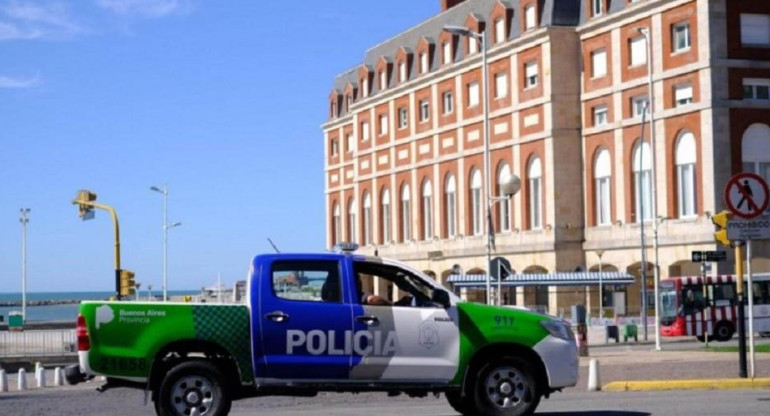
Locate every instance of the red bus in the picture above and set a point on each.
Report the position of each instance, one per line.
(685, 311)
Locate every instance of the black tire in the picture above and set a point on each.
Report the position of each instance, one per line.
(701, 338)
(723, 331)
(191, 384)
(505, 387)
(764, 334)
(459, 403)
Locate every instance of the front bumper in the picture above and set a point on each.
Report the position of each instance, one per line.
(561, 361)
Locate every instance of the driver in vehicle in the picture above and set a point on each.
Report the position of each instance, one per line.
(369, 298)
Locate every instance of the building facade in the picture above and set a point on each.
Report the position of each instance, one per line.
(568, 88)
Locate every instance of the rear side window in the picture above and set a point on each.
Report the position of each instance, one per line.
(311, 281)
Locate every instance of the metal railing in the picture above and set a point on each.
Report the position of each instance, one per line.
(38, 343)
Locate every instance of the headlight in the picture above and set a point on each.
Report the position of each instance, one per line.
(558, 329)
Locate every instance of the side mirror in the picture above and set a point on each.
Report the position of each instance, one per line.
(441, 297)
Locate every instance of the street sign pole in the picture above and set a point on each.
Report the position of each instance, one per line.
(705, 302)
(741, 311)
(751, 309)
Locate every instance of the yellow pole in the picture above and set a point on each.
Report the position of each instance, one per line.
(115, 224)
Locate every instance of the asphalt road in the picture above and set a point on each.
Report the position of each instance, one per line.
(124, 402)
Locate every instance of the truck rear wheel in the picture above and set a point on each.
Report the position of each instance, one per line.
(459, 403)
(195, 387)
(505, 387)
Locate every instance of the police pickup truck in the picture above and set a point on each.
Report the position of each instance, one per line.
(309, 326)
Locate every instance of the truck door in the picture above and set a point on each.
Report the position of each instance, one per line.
(303, 321)
(413, 339)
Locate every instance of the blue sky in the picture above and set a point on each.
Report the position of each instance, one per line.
(220, 99)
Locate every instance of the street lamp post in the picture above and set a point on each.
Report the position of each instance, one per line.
(655, 223)
(600, 253)
(24, 219)
(166, 227)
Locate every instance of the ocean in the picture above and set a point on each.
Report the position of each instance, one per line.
(66, 312)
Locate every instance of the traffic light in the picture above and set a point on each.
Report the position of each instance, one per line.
(720, 220)
(85, 212)
(127, 284)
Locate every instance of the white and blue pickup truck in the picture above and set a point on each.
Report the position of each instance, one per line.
(308, 327)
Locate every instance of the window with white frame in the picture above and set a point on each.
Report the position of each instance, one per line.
(424, 65)
(473, 45)
(683, 94)
(680, 33)
(685, 174)
(447, 55)
(500, 33)
(477, 213)
(756, 89)
(448, 101)
(535, 173)
(755, 29)
(473, 94)
(336, 224)
(642, 166)
(501, 85)
(365, 87)
(599, 63)
(450, 201)
(403, 118)
(597, 7)
(349, 143)
(365, 131)
(600, 115)
(504, 206)
(348, 102)
(755, 150)
(602, 176)
(530, 17)
(638, 49)
(385, 222)
(367, 219)
(335, 147)
(638, 105)
(531, 74)
(406, 214)
(352, 235)
(427, 210)
(424, 110)
(383, 80)
(383, 124)
(402, 71)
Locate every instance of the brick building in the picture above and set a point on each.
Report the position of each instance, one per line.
(567, 89)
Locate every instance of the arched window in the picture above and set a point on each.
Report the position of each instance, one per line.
(535, 174)
(756, 150)
(504, 206)
(602, 175)
(336, 224)
(352, 235)
(685, 175)
(427, 210)
(385, 223)
(450, 201)
(406, 217)
(367, 219)
(642, 181)
(476, 211)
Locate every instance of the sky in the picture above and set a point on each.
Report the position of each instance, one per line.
(221, 100)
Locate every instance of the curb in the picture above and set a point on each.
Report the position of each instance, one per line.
(700, 384)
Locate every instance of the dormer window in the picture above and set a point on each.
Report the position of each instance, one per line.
(365, 87)
(402, 71)
(333, 109)
(597, 8)
(447, 52)
(424, 65)
(473, 46)
(349, 103)
(500, 30)
(383, 80)
(530, 17)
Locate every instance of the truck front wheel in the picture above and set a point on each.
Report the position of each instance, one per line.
(195, 387)
(505, 387)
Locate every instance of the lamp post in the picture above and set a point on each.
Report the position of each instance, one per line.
(655, 223)
(166, 227)
(600, 253)
(24, 220)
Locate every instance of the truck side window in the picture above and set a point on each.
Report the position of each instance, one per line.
(311, 281)
(413, 291)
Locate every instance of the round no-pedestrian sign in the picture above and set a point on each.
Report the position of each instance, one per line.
(747, 195)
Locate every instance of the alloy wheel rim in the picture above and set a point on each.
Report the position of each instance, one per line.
(193, 396)
(506, 388)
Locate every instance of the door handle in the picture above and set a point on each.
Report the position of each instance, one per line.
(368, 320)
(277, 316)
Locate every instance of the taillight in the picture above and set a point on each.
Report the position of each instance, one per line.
(84, 344)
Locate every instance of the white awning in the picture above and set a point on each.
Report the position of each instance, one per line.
(549, 279)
